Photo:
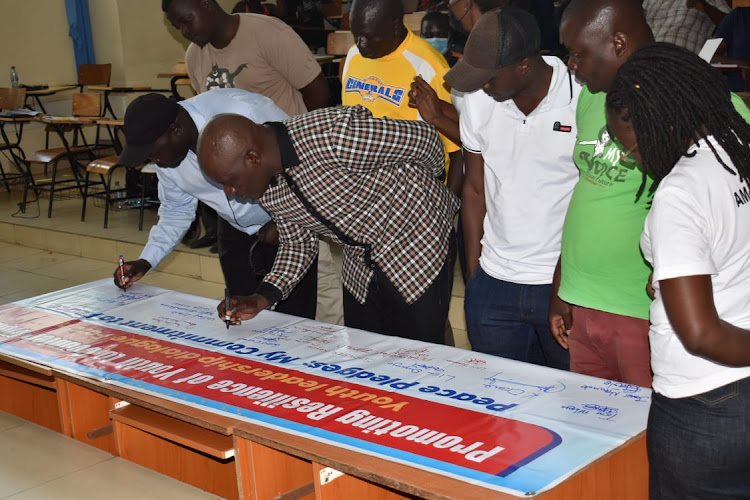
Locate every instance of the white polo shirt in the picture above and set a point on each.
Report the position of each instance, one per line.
(529, 175)
(699, 224)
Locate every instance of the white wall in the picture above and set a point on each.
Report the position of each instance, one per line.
(133, 35)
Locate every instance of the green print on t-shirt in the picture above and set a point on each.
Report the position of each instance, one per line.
(604, 167)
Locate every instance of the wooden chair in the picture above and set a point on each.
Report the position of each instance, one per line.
(179, 77)
(89, 74)
(86, 110)
(96, 74)
(105, 168)
(10, 99)
(413, 21)
(338, 44)
(93, 74)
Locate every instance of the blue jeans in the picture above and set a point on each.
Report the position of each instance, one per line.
(510, 320)
(699, 446)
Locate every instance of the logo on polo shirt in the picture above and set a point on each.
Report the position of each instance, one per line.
(372, 88)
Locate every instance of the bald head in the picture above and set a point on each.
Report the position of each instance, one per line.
(232, 152)
(601, 35)
(377, 26)
(392, 10)
(610, 16)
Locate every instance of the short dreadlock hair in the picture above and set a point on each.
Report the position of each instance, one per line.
(673, 97)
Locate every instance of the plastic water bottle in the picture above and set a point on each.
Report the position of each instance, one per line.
(119, 197)
(14, 77)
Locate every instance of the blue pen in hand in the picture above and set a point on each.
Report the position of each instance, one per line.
(227, 305)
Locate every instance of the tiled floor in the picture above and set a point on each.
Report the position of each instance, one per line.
(37, 463)
(39, 255)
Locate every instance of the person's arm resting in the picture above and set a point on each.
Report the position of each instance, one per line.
(473, 209)
(690, 307)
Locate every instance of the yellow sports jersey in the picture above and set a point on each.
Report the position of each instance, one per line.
(382, 85)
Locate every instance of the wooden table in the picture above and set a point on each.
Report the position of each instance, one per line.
(176, 78)
(69, 150)
(13, 146)
(117, 89)
(38, 94)
(237, 458)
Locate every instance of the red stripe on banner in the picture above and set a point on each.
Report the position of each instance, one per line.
(467, 438)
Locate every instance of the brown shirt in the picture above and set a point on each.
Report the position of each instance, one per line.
(266, 56)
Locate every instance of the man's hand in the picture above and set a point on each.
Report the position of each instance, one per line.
(133, 271)
(242, 308)
(425, 99)
(269, 234)
(560, 320)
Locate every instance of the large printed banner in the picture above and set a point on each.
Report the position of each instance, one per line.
(498, 423)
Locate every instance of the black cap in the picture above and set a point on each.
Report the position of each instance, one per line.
(147, 118)
(502, 37)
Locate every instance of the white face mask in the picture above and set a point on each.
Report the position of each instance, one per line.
(440, 44)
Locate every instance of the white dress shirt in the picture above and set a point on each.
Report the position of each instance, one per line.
(181, 188)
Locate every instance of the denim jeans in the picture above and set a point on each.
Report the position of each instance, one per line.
(510, 320)
(699, 446)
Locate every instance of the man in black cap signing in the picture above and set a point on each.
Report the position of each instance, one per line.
(165, 132)
(512, 235)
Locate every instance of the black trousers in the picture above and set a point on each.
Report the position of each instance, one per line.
(385, 310)
(243, 272)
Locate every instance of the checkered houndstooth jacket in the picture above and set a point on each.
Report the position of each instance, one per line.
(371, 185)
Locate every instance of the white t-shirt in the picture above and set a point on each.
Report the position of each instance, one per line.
(529, 175)
(457, 99)
(699, 224)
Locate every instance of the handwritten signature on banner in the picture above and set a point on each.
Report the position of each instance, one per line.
(423, 369)
(603, 412)
(620, 390)
(464, 409)
(324, 407)
(515, 388)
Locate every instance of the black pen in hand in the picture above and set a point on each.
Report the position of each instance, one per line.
(227, 305)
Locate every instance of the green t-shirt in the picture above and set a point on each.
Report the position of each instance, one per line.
(602, 264)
